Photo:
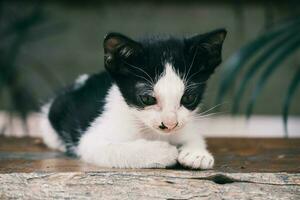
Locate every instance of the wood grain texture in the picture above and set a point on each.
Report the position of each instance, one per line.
(245, 169)
(231, 155)
(149, 184)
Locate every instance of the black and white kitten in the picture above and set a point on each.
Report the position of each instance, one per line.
(142, 112)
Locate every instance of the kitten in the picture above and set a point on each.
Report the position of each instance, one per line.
(141, 112)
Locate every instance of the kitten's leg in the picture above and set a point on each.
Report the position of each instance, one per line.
(134, 154)
(193, 152)
(195, 157)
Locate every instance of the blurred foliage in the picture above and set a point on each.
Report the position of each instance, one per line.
(18, 26)
(25, 22)
(267, 52)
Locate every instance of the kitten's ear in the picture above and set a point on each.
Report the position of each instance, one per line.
(209, 44)
(118, 50)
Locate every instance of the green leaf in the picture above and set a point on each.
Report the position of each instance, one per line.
(239, 59)
(284, 52)
(259, 62)
(288, 98)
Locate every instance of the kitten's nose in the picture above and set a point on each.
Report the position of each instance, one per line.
(164, 127)
(169, 121)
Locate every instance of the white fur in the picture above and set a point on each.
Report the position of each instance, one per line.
(80, 81)
(168, 91)
(115, 140)
(49, 136)
(124, 137)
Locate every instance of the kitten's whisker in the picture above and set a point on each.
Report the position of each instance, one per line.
(189, 78)
(149, 82)
(218, 105)
(184, 63)
(135, 67)
(202, 119)
(156, 74)
(208, 115)
(197, 83)
(191, 65)
(193, 85)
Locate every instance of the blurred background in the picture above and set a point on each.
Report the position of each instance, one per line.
(45, 45)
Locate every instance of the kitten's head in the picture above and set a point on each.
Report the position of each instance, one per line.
(163, 80)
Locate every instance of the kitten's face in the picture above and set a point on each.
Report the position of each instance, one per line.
(163, 80)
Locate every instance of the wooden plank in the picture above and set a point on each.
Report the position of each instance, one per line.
(232, 155)
(149, 184)
(245, 169)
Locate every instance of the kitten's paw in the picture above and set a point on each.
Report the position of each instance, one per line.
(162, 155)
(196, 159)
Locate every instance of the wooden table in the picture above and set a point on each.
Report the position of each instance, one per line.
(245, 169)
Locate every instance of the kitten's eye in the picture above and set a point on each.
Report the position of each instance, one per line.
(188, 99)
(148, 100)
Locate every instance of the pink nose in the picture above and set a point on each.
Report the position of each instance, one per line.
(167, 127)
(169, 121)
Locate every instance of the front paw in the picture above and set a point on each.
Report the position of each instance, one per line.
(196, 159)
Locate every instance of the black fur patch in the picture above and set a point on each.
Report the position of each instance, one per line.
(73, 111)
(133, 66)
(130, 62)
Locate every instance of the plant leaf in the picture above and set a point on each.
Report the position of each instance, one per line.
(284, 52)
(288, 98)
(238, 60)
(275, 46)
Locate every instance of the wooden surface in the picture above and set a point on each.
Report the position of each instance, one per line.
(245, 169)
(231, 155)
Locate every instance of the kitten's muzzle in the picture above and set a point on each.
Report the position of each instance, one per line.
(169, 121)
(169, 127)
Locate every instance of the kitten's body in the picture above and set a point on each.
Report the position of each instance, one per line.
(134, 115)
